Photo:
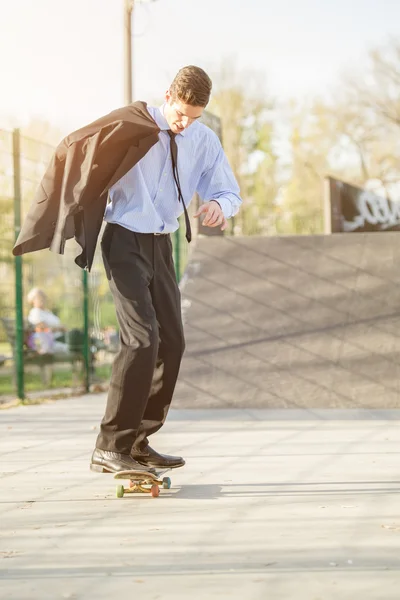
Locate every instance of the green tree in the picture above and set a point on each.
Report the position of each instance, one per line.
(311, 141)
(247, 132)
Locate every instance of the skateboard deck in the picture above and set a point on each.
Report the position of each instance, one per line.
(142, 482)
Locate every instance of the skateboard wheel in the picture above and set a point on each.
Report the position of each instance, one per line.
(120, 491)
(166, 483)
(155, 491)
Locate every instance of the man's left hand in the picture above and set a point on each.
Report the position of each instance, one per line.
(213, 215)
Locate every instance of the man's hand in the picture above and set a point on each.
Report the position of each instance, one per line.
(213, 215)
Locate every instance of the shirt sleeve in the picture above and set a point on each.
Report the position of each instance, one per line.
(218, 182)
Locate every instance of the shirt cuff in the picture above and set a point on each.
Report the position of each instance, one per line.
(225, 206)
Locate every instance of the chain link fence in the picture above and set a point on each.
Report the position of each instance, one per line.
(6, 231)
(41, 317)
(58, 327)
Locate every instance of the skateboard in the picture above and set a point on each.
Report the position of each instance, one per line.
(142, 481)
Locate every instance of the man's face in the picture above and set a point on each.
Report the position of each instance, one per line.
(179, 115)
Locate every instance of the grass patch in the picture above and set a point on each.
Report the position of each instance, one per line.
(62, 378)
(5, 349)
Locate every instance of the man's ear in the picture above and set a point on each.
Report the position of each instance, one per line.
(167, 96)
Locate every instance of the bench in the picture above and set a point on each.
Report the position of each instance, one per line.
(45, 362)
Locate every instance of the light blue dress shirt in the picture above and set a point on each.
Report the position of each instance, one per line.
(146, 200)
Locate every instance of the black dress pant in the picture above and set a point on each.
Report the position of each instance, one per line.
(141, 275)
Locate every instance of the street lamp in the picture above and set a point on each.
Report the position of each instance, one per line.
(128, 11)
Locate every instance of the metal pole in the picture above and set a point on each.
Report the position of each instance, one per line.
(86, 340)
(19, 316)
(128, 10)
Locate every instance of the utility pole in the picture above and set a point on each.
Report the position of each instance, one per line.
(128, 10)
(128, 14)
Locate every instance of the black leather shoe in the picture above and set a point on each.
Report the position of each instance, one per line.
(148, 456)
(104, 461)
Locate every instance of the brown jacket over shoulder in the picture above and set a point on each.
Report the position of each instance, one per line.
(72, 196)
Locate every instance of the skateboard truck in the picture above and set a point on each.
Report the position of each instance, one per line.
(142, 482)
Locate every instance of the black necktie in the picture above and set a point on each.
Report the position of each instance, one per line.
(174, 156)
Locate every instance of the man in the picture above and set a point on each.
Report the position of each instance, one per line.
(137, 253)
(149, 162)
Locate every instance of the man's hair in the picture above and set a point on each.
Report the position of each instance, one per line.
(191, 86)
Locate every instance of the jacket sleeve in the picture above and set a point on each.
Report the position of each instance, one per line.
(79, 162)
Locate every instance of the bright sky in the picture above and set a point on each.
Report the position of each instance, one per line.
(62, 60)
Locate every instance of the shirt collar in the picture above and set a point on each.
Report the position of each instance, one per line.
(162, 121)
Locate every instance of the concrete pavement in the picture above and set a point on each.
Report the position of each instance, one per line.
(278, 504)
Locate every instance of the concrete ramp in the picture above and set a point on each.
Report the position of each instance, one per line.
(292, 322)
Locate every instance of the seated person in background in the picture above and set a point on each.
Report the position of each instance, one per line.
(44, 321)
(111, 338)
(42, 339)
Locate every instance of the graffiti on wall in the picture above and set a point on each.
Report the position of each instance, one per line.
(351, 208)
